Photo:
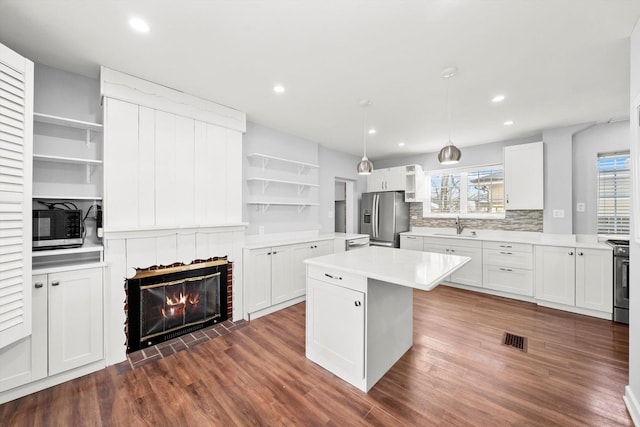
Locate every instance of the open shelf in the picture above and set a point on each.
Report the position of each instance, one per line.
(66, 197)
(280, 181)
(264, 206)
(280, 159)
(63, 159)
(63, 121)
(86, 248)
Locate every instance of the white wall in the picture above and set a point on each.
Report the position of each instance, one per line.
(60, 93)
(279, 219)
(334, 164)
(587, 144)
(633, 390)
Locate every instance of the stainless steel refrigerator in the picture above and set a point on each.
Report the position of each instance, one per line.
(383, 216)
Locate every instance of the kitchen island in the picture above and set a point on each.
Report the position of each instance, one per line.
(360, 308)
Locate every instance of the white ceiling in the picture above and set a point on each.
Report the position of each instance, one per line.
(559, 62)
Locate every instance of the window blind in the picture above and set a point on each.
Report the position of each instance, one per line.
(614, 193)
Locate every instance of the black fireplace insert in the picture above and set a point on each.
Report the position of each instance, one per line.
(164, 303)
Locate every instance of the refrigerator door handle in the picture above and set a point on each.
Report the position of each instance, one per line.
(374, 216)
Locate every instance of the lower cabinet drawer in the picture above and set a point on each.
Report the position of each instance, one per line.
(508, 258)
(337, 277)
(513, 280)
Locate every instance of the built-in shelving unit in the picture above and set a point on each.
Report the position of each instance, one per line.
(67, 167)
(271, 185)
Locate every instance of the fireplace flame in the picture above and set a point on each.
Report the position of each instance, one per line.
(176, 305)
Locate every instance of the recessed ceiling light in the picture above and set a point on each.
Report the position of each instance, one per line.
(400, 144)
(372, 131)
(498, 98)
(139, 25)
(278, 89)
(508, 123)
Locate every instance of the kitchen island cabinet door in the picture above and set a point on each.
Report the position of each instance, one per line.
(594, 279)
(335, 329)
(555, 274)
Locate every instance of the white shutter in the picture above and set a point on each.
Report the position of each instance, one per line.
(614, 193)
(16, 130)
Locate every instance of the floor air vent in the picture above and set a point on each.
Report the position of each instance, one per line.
(515, 341)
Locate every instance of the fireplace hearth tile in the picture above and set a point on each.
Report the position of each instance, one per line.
(184, 342)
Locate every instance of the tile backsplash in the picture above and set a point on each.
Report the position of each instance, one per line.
(513, 221)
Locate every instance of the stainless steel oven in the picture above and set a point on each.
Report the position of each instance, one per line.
(620, 280)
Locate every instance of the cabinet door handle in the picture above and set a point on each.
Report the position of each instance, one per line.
(357, 303)
(268, 253)
(505, 269)
(333, 277)
(580, 253)
(506, 246)
(571, 253)
(506, 253)
(453, 250)
(274, 252)
(56, 283)
(410, 238)
(446, 250)
(315, 246)
(38, 285)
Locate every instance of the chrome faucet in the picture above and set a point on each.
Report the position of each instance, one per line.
(459, 226)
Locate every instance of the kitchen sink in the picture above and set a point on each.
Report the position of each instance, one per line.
(455, 235)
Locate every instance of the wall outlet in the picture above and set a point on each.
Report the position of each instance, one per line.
(580, 207)
(261, 229)
(414, 216)
(558, 213)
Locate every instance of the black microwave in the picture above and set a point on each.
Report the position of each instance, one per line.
(57, 228)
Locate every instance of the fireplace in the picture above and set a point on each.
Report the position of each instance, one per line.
(164, 302)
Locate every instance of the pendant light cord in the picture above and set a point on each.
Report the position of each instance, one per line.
(364, 130)
(449, 108)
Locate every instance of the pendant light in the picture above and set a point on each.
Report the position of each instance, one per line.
(449, 154)
(365, 167)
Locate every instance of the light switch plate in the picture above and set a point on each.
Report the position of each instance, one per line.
(580, 207)
(558, 213)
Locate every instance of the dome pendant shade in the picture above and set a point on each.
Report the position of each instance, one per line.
(449, 155)
(365, 166)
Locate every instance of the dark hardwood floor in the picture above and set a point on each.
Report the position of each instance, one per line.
(457, 373)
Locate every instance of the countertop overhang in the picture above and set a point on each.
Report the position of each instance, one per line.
(415, 269)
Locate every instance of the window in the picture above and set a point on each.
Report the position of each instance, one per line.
(475, 191)
(614, 193)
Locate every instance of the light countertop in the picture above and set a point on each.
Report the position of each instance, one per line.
(415, 269)
(534, 238)
(257, 241)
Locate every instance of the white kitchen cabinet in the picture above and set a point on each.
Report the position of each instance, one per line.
(471, 273)
(555, 274)
(594, 279)
(414, 184)
(67, 328)
(26, 360)
(508, 267)
(276, 275)
(75, 319)
(389, 179)
(413, 243)
(524, 176)
(330, 309)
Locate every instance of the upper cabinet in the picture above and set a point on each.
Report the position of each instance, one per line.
(389, 179)
(171, 159)
(409, 179)
(524, 176)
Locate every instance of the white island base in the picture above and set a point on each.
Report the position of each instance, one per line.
(360, 308)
